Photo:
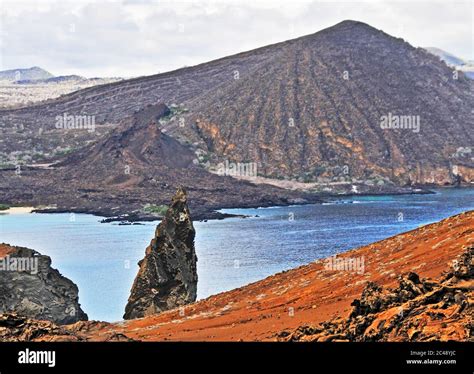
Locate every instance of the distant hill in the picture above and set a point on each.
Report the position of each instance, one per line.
(467, 67)
(446, 57)
(28, 91)
(34, 73)
(59, 79)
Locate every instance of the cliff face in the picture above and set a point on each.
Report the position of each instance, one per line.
(168, 275)
(30, 287)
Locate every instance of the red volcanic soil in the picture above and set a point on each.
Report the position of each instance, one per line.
(5, 249)
(306, 295)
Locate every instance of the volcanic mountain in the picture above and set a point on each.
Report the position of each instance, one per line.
(318, 106)
(134, 166)
(310, 109)
(137, 147)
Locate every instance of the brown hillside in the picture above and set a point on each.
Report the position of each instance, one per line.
(291, 110)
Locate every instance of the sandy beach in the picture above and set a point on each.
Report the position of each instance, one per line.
(18, 210)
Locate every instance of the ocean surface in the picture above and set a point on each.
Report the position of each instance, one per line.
(101, 258)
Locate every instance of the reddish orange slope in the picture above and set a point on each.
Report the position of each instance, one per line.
(306, 295)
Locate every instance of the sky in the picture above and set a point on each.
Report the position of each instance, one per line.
(128, 38)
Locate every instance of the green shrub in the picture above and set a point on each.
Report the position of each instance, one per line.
(155, 209)
(204, 158)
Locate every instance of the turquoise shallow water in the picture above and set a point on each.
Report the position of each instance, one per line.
(102, 258)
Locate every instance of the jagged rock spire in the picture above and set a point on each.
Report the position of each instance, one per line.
(167, 277)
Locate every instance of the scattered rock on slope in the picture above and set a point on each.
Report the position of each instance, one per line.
(417, 310)
(168, 275)
(15, 328)
(30, 287)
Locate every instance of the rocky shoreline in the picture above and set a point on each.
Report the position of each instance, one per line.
(123, 215)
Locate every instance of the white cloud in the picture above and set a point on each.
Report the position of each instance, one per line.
(139, 37)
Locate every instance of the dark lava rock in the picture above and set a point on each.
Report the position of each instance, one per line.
(168, 275)
(16, 328)
(417, 310)
(30, 287)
